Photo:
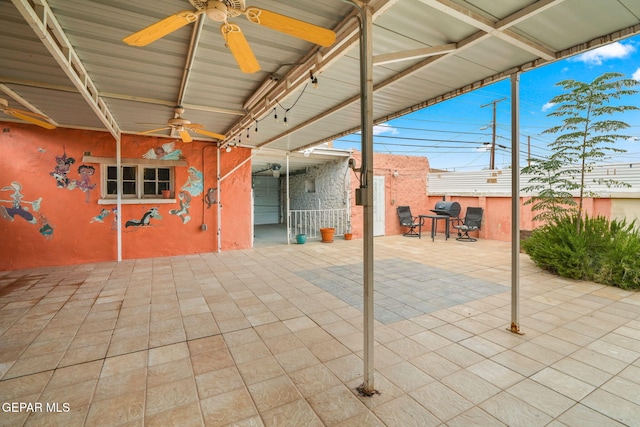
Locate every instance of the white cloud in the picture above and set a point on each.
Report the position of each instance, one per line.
(615, 50)
(636, 75)
(548, 106)
(384, 128)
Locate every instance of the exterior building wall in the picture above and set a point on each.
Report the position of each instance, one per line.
(324, 186)
(496, 221)
(67, 225)
(408, 188)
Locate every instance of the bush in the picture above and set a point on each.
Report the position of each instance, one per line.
(595, 249)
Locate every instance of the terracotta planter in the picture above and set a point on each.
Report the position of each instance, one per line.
(327, 234)
(166, 194)
(348, 236)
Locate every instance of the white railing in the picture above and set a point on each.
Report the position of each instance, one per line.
(310, 222)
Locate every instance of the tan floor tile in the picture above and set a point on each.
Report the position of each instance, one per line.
(168, 353)
(294, 360)
(274, 392)
(75, 416)
(513, 411)
(283, 343)
(475, 417)
(163, 373)
(170, 395)
(346, 368)
(406, 376)
(612, 406)
(216, 359)
(17, 388)
(443, 402)
(32, 365)
(314, 379)
(404, 411)
(328, 350)
(260, 370)
(293, 414)
(336, 404)
(217, 382)
(205, 345)
(541, 397)
(184, 416)
(583, 416)
(119, 410)
(248, 352)
(125, 363)
(233, 406)
(495, 373)
(114, 385)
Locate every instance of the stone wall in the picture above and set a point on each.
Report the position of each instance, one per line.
(322, 187)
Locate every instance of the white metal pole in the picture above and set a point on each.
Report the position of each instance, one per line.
(366, 77)
(218, 204)
(119, 194)
(288, 205)
(515, 203)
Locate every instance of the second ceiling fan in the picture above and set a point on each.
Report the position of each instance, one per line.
(221, 11)
(184, 126)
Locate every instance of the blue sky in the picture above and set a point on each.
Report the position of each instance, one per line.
(454, 134)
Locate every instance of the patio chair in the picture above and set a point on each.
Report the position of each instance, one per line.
(472, 222)
(409, 221)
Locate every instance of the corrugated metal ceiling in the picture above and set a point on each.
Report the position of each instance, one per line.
(140, 85)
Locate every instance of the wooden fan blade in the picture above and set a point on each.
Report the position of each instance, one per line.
(185, 135)
(207, 133)
(293, 27)
(161, 28)
(239, 47)
(28, 117)
(154, 130)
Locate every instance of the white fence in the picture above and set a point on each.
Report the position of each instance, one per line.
(310, 222)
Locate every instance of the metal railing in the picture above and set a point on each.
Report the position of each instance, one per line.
(310, 222)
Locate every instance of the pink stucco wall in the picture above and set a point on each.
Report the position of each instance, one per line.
(496, 223)
(64, 229)
(408, 188)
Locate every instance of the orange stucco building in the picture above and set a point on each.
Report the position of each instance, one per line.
(56, 208)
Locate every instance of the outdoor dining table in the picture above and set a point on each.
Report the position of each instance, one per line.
(434, 224)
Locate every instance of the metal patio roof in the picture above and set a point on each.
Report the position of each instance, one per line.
(66, 59)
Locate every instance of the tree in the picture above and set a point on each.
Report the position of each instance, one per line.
(587, 135)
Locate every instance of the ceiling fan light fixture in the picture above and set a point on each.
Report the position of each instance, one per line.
(217, 11)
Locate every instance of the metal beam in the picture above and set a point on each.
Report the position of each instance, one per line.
(389, 58)
(45, 25)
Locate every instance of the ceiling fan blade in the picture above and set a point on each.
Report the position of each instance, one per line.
(161, 28)
(185, 135)
(154, 130)
(28, 117)
(207, 133)
(293, 27)
(239, 47)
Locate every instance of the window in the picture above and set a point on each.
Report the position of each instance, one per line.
(138, 181)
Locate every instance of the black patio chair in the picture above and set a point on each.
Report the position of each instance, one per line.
(472, 222)
(409, 221)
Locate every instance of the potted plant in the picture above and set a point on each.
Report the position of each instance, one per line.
(327, 234)
(347, 234)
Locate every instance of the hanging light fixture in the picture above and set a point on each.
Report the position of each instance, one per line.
(275, 169)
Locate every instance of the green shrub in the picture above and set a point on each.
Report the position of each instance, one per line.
(595, 249)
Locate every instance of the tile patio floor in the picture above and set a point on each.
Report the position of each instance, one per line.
(273, 336)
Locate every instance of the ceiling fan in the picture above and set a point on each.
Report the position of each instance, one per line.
(27, 116)
(183, 126)
(221, 11)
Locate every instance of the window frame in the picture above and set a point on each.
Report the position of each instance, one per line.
(140, 164)
(139, 171)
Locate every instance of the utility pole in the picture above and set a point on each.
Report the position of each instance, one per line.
(492, 159)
